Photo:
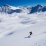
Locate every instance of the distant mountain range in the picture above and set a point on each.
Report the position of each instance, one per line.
(11, 9)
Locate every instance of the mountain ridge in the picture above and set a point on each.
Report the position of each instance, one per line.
(13, 9)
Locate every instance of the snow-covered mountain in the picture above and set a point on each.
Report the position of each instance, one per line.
(13, 9)
(15, 26)
(38, 8)
(9, 9)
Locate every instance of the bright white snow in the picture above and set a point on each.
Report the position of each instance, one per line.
(15, 28)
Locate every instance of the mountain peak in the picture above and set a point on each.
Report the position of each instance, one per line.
(39, 5)
(6, 5)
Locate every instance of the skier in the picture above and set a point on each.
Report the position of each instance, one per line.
(30, 33)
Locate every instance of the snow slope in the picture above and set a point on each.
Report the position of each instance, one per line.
(15, 28)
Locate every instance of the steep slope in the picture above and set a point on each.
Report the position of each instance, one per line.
(38, 8)
(9, 9)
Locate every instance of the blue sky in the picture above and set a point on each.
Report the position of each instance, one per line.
(22, 2)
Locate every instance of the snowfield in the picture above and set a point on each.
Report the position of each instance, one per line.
(15, 28)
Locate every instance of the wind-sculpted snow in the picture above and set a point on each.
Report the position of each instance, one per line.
(10, 33)
(15, 28)
(28, 21)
